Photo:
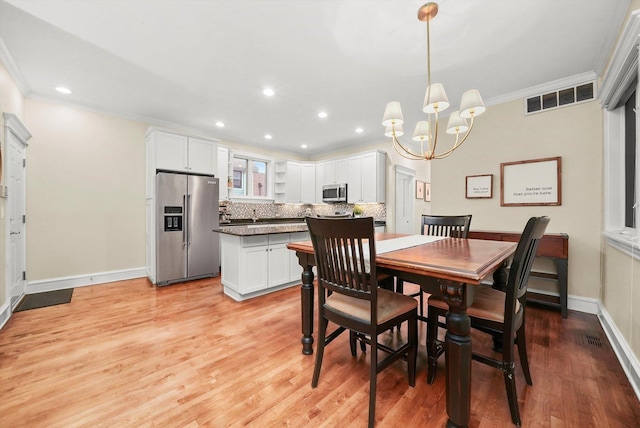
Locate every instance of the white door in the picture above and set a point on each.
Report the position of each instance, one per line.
(16, 209)
(404, 200)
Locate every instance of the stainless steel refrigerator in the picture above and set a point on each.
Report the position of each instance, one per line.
(187, 212)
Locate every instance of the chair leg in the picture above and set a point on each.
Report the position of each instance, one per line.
(421, 303)
(373, 375)
(399, 286)
(512, 395)
(413, 351)
(521, 342)
(352, 342)
(322, 332)
(432, 348)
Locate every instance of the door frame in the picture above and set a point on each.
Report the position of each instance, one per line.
(12, 126)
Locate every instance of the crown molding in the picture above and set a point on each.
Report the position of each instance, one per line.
(13, 69)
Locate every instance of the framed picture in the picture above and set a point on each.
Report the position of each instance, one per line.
(419, 189)
(531, 182)
(427, 192)
(479, 186)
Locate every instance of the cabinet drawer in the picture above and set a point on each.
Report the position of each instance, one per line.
(279, 238)
(253, 241)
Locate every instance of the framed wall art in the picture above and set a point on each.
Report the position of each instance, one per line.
(531, 182)
(479, 186)
(419, 189)
(427, 192)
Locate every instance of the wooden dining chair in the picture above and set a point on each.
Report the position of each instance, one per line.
(454, 226)
(349, 296)
(501, 314)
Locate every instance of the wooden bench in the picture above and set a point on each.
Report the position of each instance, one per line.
(554, 246)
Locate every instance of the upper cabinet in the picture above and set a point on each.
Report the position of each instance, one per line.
(335, 171)
(295, 182)
(182, 153)
(366, 178)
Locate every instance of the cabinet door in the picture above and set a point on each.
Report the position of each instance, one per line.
(308, 184)
(294, 175)
(203, 156)
(341, 171)
(369, 178)
(255, 268)
(171, 151)
(330, 172)
(354, 180)
(223, 172)
(278, 264)
(320, 167)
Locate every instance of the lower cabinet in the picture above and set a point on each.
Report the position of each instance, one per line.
(256, 265)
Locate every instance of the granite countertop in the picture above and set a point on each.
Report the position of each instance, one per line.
(268, 226)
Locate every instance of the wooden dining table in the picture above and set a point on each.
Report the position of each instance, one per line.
(451, 268)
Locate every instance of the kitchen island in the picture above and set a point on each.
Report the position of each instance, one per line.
(254, 258)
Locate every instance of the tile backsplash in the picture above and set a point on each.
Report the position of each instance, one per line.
(242, 210)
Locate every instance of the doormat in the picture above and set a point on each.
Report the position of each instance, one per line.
(47, 298)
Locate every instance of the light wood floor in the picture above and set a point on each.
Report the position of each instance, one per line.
(126, 354)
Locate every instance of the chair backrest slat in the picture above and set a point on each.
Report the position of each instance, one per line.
(345, 255)
(454, 226)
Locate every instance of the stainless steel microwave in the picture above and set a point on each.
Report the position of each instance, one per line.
(334, 192)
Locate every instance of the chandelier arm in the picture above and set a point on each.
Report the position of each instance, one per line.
(457, 143)
(411, 157)
(397, 143)
(434, 141)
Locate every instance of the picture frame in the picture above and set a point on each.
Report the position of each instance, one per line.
(419, 189)
(535, 182)
(427, 192)
(479, 186)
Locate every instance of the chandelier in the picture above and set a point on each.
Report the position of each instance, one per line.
(435, 101)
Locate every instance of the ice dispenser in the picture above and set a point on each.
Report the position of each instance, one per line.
(172, 219)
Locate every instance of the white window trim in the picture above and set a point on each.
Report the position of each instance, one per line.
(270, 176)
(623, 68)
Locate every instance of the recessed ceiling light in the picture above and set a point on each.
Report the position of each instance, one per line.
(359, 130)
(63, 90)
(268, 136)
(303, 146)
(220, 124)
(268, 92)
(322, 114)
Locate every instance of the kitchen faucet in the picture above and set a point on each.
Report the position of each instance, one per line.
(255, 217)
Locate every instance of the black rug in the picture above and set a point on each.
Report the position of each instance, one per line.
(47, 298)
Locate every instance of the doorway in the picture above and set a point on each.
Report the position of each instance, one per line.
(16, 136)
(405, 182)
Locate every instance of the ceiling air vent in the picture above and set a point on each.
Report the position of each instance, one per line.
(560, 98)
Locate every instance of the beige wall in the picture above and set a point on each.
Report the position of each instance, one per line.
(11, 101)
(85, 192)
(505, 134)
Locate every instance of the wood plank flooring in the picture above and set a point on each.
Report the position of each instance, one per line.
(126, 354)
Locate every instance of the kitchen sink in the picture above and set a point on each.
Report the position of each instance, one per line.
(253, 226)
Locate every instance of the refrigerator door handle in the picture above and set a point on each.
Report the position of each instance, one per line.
(189, 223)
(184, 222)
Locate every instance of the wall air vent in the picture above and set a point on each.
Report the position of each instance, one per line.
(560, 98)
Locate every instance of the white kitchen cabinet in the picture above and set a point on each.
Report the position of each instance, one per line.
(255, 265)
(366, 178)
(320, 170)
(183, 153)
(222, 171)
(335, 171)
(295, 182)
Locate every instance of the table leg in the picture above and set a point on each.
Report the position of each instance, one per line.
(458, 354)
(500, 278)
(562, 265)
(306, 302)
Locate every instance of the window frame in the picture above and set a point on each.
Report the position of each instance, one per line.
(622, 74)
(251, 157)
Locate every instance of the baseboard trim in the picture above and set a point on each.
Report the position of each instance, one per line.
(5, 314)
(627, 359)
(83, 280)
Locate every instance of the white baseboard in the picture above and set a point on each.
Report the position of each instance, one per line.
(627, 359)
(574, 303)
(83, 280)
(5, 314)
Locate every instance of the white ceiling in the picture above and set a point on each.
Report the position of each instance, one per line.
(192, 63)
